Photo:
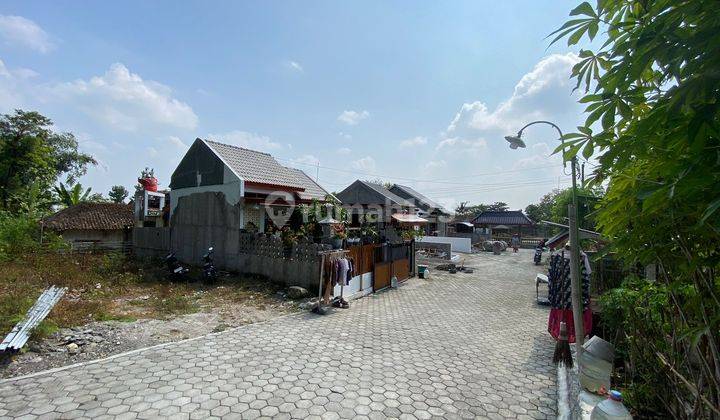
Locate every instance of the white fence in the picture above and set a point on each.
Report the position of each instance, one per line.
(457, 244)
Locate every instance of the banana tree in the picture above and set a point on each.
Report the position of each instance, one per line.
(72, 194)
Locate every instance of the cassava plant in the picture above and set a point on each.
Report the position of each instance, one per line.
(652, 90)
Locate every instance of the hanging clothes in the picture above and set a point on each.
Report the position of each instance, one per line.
(343, 268)
(560, 294)
(350, 272)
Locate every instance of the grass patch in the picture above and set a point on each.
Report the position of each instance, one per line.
(104, 316)
(113, 287)
(174, 305)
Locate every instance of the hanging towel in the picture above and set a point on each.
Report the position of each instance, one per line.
(350, 272)
(344, 267)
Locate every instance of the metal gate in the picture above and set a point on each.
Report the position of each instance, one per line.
(392, 260)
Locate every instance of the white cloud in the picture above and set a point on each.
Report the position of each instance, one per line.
(415, 141)
(247, 140)
(18, 31)
(352, 117)
(344, 151)
(125, 101)
(543, 93)
(14, 90)
(433, 164)
(541, 157)
(175, 141)
(345, 136)
(4, 72)
(294, 66)
(365, 164)
(151, 151)
(465, 145)
(306, 160)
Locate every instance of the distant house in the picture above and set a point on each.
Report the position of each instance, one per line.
(435, 214)
(253, 180)
(489, 222)
(373, 200)
(106, 224)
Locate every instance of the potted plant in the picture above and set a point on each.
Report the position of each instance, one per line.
(337, 235)
(369, 234)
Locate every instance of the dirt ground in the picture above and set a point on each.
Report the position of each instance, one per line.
(115, 303)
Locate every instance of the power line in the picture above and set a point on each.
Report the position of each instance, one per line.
(432, 181)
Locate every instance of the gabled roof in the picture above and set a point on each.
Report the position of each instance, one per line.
(513, 218)
(421, 201)
(92, 216)
(313, 190)
(254, 166)
(366, 193)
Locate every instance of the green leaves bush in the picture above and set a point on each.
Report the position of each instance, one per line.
(21, 234)
(653, 125)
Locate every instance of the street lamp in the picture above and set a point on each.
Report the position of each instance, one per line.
(576, 290)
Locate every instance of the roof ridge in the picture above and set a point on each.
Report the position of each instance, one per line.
(237, 147)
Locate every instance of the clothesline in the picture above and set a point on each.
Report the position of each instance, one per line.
(335, 267)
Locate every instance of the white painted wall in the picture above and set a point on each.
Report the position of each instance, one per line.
(457, 244)
(359, 286)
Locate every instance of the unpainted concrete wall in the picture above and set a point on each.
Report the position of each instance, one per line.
(151, 241)
(206, 219)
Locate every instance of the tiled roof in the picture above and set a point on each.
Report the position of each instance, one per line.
(420, 199)
(313, 190)
(394, 198)
(513, 218)
(92, 216)
(255, 166)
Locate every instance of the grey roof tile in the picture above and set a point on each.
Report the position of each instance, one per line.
(254, 166)
(421, 200)
(513, 217)
(312, 188)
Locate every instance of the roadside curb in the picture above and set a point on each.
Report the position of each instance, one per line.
(142, 349)
(157, 346)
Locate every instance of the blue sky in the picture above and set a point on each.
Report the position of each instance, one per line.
(419, 93)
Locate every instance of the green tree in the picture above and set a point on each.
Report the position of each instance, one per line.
(653, 124)
(118, 194)
(466, 212)
(497, 206)
(543, 209)
(31, 154)
(587, 199)
(71, 195)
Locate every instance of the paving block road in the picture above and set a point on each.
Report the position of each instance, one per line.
(454, 346)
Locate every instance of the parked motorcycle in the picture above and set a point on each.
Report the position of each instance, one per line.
(538, 255)
(209, 271)
(176, 271)
(538, 252)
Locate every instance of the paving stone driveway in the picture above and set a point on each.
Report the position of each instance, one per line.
(456, 346)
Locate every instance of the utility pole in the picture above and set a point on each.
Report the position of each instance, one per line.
(317, 171)
(575, 280)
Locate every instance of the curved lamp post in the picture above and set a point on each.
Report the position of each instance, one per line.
(576, 293)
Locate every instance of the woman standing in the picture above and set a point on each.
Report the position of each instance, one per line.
(515, 242)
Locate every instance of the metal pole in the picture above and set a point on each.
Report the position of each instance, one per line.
(575, 281)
